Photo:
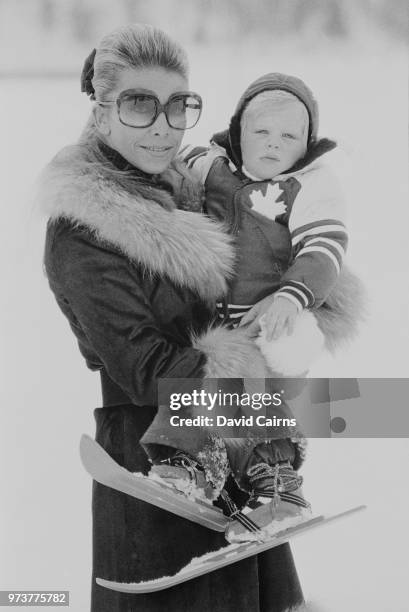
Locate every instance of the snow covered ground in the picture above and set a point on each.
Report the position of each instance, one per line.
(48, 395)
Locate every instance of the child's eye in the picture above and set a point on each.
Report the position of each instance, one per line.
(288, 135)
(260, 132)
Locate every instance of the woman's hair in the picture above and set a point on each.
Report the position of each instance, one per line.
(131, 46)
(134, 46)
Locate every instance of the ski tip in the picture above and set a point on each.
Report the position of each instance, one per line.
(352, 510)
(84, 443)
(87, 447)
(135, 587)
(360, 507)
(85, 439)
(109, 584)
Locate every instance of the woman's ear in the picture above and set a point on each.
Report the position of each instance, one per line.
(101, 116)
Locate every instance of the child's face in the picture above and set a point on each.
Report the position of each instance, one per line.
(273, 138)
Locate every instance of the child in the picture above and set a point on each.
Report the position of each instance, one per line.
(266, 177)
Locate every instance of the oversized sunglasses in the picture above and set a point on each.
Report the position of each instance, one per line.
(139, 110)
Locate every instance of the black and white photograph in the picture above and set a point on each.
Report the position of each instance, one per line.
(204, 316)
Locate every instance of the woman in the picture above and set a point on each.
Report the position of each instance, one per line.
(135, 270)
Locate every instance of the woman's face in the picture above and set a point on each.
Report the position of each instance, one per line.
(151, 149)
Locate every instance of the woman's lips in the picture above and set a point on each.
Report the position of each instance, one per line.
(157, 151)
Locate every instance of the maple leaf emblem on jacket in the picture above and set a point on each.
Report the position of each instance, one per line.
(267, 204)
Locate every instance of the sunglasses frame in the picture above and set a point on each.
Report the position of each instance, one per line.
(160, 108)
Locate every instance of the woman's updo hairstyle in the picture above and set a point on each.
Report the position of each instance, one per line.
(134, 46)
(131, 46)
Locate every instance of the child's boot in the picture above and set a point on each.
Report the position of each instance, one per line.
(276, 502)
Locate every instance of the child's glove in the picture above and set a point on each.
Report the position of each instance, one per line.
(280, 316)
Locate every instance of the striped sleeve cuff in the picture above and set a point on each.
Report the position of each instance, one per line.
(298, 293)
(326, 246)
(329, 228)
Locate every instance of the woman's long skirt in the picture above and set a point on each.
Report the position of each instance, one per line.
(135, 541)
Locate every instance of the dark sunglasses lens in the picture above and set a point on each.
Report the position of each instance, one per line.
(137, 110)
(183, 112)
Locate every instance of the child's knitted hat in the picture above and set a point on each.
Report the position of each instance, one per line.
(273, 80)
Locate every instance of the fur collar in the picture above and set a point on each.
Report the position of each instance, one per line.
(188, 248)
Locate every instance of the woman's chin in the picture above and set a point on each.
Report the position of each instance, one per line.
(154, 166)
(152, 163)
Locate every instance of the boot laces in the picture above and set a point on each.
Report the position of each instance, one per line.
(182, 459)
(281, 477)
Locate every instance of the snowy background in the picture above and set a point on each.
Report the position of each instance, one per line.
(353, 56)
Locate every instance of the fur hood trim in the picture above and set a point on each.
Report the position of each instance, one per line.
(188, 248)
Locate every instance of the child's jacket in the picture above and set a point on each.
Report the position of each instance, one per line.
(290, 232)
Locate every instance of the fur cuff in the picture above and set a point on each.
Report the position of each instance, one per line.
(293, 355)
(329, 327)
(343, 311)
(230, 354)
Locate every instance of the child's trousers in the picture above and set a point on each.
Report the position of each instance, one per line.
(219, 456)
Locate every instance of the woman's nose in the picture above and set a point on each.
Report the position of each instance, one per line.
(161, 125)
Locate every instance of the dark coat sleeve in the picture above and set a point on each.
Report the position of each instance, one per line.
(106, 294)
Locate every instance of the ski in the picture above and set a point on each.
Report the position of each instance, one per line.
(106, 471)
(232, 553)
